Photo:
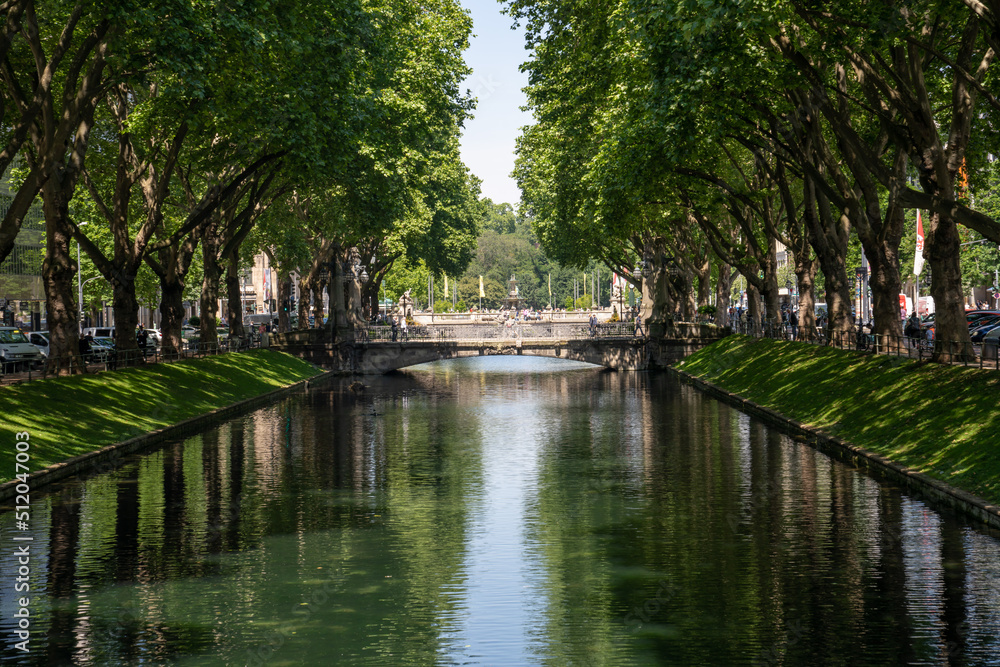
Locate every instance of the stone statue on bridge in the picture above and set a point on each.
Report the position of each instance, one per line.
(406, 304)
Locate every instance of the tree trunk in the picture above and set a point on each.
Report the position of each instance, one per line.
(58, 271)
(656, 305)
(723, 286)
(838, 309)
(172, 268)
(284, 296)
(753, 307)
(171, 316)
(235, 297)
(886, 286)
(689, 303)
(704, 289)
(208, 304)
(126, 308)
(305, 294)
(772, 304)
(805, 278)
(828, 234)
(951, 330)
(371, 295)
(318, 305)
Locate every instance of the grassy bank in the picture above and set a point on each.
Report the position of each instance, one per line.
(69, 416)
(940, 420)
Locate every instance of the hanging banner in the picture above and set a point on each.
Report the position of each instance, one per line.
(918, 257)
(482, 292)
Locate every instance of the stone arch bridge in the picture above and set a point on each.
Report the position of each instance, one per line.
(615, 346)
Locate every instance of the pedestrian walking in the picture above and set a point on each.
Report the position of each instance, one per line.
(793, 321)
(142, 338)
(395, 327)
(85, 347)
(912, 329)
(593, 325)
(403, 328)
(638, 325)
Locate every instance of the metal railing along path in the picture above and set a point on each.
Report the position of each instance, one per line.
(966, 353)
(105, 359)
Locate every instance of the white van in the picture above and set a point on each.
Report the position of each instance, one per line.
(100, 332)
(40, 339)
(16, 352)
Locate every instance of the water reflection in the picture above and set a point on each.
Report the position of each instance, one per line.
(499, 511)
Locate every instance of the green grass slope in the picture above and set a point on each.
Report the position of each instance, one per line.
(69, 416)
(940, 420)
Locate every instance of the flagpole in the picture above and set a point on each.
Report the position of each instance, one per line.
(918, 263)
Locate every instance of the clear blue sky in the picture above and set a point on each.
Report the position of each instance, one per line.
(495, 53)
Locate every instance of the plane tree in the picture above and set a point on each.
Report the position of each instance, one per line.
(59, 61)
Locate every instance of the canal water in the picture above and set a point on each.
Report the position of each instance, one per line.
(498, 511)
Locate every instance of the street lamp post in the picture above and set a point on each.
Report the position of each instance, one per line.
(642, 272)
(79, 285)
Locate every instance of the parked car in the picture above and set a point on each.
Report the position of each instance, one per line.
(221, 333)
(983, 327)
(977, 317)
(16, 351)
(40, 339)
(974, 318)
(991, 345)
(102, 349)
(155, 336)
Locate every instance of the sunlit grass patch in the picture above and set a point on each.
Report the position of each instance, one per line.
(941, 420)
(69, 416)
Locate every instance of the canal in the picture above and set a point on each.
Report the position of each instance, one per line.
(498, 511)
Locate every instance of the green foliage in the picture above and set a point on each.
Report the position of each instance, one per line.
(499, 218)
(517, 253)
(584, 302)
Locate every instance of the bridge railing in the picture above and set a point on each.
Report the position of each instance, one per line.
(487, 332)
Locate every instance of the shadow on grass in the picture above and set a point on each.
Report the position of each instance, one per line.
(73, 415)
